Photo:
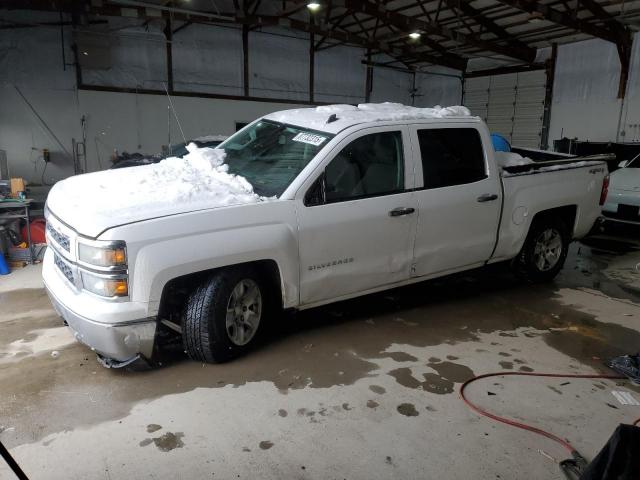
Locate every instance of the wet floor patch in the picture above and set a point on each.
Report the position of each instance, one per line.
(318, 348)
(153, 427)
(607, 262)
(165, 443)
(434, 383)
(400, 357)
(454, 372)
(37, 342)
(441, 383)
(608, 244)
(16, 303)
(408, 410)
(377, 389)
(405, 377)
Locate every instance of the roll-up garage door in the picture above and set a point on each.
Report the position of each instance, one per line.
(512, 105)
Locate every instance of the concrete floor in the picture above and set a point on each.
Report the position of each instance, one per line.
(364, 389)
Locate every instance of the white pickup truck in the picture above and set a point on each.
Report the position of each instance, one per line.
(298, 209)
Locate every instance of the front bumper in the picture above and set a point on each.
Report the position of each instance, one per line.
(622, 207)
(118, 330)
(119, 341)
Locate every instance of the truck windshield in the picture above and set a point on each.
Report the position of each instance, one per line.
(271, 154)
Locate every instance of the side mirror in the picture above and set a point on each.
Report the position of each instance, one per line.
(623, 164)
(316, 195)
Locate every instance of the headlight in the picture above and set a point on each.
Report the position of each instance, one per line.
(113, 254)
(105, 286)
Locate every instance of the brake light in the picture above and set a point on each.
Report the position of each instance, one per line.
(605, 190)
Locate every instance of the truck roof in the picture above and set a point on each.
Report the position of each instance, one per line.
(335, 118)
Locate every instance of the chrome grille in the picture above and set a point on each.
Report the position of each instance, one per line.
(60, 238)
(63, 267)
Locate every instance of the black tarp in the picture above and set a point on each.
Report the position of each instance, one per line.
(627, 365)
(619, 459)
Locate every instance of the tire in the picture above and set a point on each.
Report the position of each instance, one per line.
(212, 333)
(544, 251)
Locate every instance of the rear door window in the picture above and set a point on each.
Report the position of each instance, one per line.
(451, 156)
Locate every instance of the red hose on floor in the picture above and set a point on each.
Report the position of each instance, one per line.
(524, 426)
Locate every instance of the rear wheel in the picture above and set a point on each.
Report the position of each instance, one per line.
(223, 315)
(545, 250)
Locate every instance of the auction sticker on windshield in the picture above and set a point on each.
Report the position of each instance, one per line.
(309, 138)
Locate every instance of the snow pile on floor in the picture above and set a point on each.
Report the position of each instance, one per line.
(318, 118)
(511, 159)
(199, 180)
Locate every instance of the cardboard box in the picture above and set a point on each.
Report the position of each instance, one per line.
(17, 185)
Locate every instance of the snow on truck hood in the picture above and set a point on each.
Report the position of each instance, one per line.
(348, 115)
(94, 202)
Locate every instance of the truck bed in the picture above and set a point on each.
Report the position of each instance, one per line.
(573, 184)
(555, 165)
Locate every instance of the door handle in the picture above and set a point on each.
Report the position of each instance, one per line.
(400, 211)
(487, 197)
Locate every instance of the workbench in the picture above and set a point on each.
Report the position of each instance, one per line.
(18, 209)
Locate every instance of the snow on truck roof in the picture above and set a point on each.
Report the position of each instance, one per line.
(322, 118)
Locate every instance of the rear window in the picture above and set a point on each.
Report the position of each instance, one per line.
(451, 156)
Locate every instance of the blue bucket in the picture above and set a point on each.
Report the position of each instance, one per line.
(500, 144)
(4, 268)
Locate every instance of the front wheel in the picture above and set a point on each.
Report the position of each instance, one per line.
(545, 250)
(223, 316)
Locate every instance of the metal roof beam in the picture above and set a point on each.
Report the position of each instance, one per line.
(457, 63)
(556, 16)
(396, 35)
(612, 24)
(482, 20)
(614, 32)
(432, 28)
(181, 14)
